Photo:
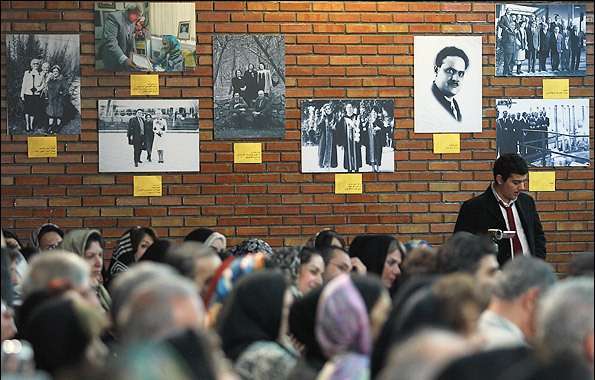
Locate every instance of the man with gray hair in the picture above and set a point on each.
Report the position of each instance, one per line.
(565, 320)
(422, 356)
(159, 308)
(508, 320)
(59, 270)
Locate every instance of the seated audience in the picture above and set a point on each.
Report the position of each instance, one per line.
(380, 254)
(209, 237)
(131, 247)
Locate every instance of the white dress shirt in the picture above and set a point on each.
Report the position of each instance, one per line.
(517, 221)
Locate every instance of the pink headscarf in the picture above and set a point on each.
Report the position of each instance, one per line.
(342, 323)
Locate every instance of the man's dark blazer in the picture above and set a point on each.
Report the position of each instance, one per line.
(481, 213)
(134, 132)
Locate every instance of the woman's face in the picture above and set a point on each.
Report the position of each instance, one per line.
(238, 74)
(250, 67)
(144, 244)
(392, 268)
(94, 256)
(261, 66)
(310, 274)
(49, 240)
(55, 73)
(45, 67)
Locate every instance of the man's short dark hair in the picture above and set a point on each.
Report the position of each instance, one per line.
(510, 163)
(140, 109)
(451, 51)
(463, 252)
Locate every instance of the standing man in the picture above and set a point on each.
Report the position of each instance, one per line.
(118, 39)
(506, 24)
(544, 46)
(556, 47)
(506, 207)
(532, 44)
(136, 135)
(149, 135)
(450, 66)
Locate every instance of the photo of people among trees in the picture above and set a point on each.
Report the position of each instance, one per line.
(249, 85)
(347, 135)
(43, 84)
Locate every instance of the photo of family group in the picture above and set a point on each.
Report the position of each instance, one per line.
(145, 36)
(249, 85)
(158, 135)
(546, 132)
(347, 135)
(546, 39)
(43, 84)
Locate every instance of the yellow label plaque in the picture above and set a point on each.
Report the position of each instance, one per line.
(144, 84)
(348, 183)
(38, 147)
(247, 153)
(556, 89)
(542, 181)
(447, 143)
(147, 186)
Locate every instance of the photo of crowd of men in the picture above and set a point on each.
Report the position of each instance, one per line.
(541, 40)
(546, 132)
(43, 84)
(347, 135)
(249, 85)
(145, 36)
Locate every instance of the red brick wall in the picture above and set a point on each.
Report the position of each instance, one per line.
(333, 49)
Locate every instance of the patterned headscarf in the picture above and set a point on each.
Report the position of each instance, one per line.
(287, 259)
(174, 48)
(123, 255)
(343, 329)
(412, 244)
(228, 274)
(42, 230)
(252, 246)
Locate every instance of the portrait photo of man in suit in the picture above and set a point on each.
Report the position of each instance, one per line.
(449, 67)
(447, 81)
(136, 135)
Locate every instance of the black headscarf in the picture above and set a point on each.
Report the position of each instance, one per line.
(371, 250)
(57, 335)
(199, 235)
(193, 349)
(302, 320)
(370, 288)
(7, 290)
(157, 252)
(252, 312)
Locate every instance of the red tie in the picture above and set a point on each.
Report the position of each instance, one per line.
(516, 242)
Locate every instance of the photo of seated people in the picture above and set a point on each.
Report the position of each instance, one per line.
(145, 36)
(541, 40)
(249, 85)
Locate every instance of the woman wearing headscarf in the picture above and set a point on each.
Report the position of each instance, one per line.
(350, 314)
(253, 326)
(64, 333)
(57, 90)
(131, 247)
(381, 254)
(302, 321)
(47, 237)
(209, 238)
(303, 268)
(89, 245)
(251, 246)
(170, 56)
(159, 131)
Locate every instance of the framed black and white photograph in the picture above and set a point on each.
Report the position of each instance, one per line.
(145, 36)
(347, 135)
(184, 30)
(546, 132)
(157, 135)
(249, 86)
(447, 81)
(43, 86)
(541, 39)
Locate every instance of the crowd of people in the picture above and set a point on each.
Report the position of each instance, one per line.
(545, 45)
(44, 92)
(523, 133)
(376, 308)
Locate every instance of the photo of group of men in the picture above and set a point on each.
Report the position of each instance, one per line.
(540, 40)
(354, 135)
(544, 132)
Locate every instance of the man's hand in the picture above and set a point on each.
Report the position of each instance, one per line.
(130, 64)
(357, 264)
